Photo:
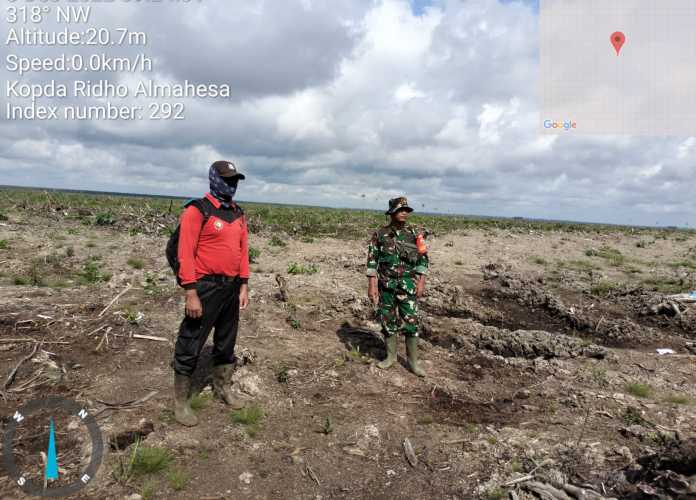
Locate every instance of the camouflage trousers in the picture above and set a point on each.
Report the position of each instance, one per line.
(398, 311)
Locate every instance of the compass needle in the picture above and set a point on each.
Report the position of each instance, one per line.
(52, 458)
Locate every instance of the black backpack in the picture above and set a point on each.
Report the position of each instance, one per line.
(172, 251)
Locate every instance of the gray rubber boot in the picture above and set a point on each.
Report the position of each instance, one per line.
(182, 407)
(390, 344)
(222, 386)
(412, 352)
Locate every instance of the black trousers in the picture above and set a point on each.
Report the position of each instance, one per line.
(219, 297)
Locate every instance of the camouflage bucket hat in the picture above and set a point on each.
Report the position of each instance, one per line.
(396, 204)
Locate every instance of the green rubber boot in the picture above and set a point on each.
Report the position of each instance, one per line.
(183, 413)
(412, 352)
(222, 386)
(390, 344)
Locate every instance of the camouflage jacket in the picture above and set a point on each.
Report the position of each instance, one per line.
(392, 255)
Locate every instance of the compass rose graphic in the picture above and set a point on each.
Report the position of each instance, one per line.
(65, 471)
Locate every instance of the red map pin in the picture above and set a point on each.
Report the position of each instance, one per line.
(617, 40)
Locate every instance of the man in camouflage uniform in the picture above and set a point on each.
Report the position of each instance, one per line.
(396, 278)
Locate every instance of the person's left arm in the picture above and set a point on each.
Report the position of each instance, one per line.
(244, 266)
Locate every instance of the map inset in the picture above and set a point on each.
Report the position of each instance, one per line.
(618, 67)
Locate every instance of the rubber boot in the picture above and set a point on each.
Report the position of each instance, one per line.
(412, 353)
(183, 413)
(222, 387)
(390, 344)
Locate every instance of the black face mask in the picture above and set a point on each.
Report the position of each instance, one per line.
(231, 181)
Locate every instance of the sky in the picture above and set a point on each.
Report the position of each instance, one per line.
(349, 103)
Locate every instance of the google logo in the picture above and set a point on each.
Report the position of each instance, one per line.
(566, 125)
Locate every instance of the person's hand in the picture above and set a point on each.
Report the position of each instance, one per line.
(372, 291)
(194, 308)
(243, 296)
(420, 287)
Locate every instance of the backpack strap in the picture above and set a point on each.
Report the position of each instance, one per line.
(203, 205)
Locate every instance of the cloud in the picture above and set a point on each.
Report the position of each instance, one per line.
(333, 101)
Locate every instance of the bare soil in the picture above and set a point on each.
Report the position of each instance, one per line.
(479, 419)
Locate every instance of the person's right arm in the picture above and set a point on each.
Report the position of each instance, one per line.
(372, 263)
(189, 232)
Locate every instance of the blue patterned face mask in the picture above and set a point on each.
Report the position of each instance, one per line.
(222, 191)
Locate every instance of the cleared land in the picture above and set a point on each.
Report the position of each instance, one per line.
(539, 340)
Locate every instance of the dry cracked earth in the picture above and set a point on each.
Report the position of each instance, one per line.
(541, 348)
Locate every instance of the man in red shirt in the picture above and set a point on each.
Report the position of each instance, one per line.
(214, 270)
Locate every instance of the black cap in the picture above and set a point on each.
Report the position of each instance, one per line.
(227, 169)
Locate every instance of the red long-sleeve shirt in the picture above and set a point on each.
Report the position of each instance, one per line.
(219, 247)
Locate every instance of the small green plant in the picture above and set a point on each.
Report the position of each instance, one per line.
(149, 460)
(662, 439)
(516, 466)
(603, 288)
(105, 219)
(327, 428)
(141, 461)
(149, 489)
(70, 252)
(425, 420)
(150, 285)
(21, 280)
(292, 316)
(90, 244)
(613, 256)
(132, 317)
(677, 399)
(35, 274)
(540, 261)
(355, 355)
(492, 440)
(91, 273)
(599, 376)
(276, 241)
(254, 254)
(667, 285)
(496, 494)
(578, 265)
(470, 428)
(4, 244)
(282, 374)
(686, 264)
(178, 478)
(200, 400)
(632, 416)
(307, 239)
(295, 268)
(250, 417)
(136, 263)
(639, 389)
(167, 416)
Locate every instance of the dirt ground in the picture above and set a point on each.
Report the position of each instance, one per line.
(540, 350)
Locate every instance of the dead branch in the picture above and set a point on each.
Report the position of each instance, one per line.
(283, 287)
(18, 341)
(150, 337)
(126, 404)
(128, 287)
(12, 374)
